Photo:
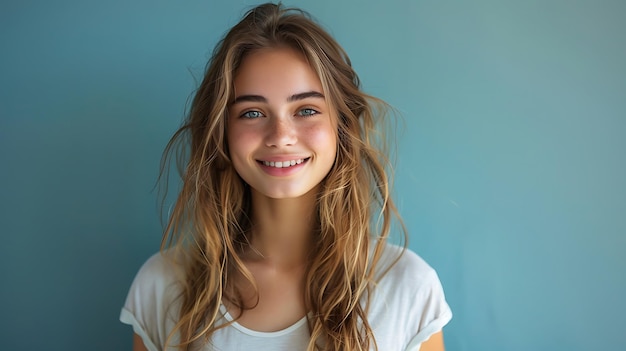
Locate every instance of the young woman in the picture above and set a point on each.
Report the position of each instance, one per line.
(278, 238)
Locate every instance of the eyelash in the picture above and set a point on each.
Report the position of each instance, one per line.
(246, 114)
(310, 112)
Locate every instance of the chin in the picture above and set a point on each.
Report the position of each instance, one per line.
(286, 194)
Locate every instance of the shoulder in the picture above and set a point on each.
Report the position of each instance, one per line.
(164, 265)
(408, 285)
(159, 271)
(407, 303)
(151, 305)
(401, 265)
(158, 281)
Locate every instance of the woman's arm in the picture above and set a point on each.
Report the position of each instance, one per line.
(138, 343)
(434, 343)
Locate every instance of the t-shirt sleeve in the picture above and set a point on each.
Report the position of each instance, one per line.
(427, 306)
(149, 306)
(432, 312)
(408, 304)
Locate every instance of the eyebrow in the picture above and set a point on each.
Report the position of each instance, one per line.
(292, 98)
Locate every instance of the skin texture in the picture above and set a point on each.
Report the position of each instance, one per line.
(138, 343)
(434, 343)
(280, 114)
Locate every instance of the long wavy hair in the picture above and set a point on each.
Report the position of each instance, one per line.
(210, 221)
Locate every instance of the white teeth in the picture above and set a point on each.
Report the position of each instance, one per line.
(283, 164)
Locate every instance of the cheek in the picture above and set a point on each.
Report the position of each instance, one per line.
(324, 137)
(240, 140)
(239, 149)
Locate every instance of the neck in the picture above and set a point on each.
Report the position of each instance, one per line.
(283, 228)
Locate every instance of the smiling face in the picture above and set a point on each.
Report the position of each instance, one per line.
(282, 133)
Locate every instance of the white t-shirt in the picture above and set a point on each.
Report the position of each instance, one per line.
(407, 306)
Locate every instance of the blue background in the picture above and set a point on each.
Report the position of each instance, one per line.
(511, 169)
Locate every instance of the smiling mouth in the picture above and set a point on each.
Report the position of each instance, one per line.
(284, 164)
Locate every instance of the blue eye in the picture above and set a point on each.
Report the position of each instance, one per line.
(252, 114)
(305, 112)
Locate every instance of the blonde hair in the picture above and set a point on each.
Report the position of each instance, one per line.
(210, 217)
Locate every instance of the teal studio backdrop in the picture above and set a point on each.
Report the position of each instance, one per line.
(510, 173)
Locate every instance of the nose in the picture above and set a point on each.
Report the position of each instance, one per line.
(280, 132)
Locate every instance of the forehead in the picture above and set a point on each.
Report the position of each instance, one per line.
(275, 71)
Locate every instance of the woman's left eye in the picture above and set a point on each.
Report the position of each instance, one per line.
(252, 114)
(305, 112)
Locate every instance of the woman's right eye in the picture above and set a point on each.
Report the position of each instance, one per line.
(252, 114)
